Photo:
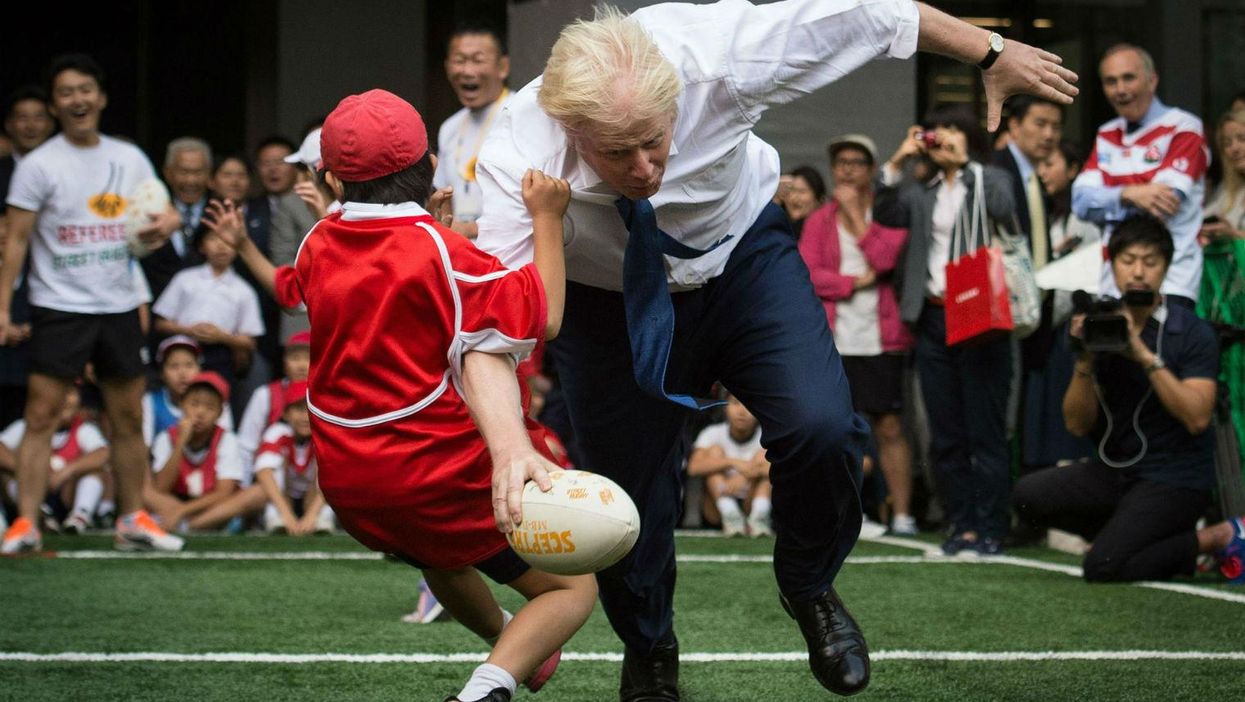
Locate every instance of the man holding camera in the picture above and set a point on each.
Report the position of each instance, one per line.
(1147, 403)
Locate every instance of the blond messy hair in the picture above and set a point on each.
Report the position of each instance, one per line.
(606, 77)
(1233, 180)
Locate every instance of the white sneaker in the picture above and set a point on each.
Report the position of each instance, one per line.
(734, 525)
(76, 524)
(324, 524)
(139, 532)
(272, 522)
(903, 525)
(758, 528)
(870, 529)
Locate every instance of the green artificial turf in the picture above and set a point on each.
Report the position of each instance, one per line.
(52, 605)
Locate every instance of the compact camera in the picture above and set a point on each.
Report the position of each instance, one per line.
(1105, 328)
(930, 139)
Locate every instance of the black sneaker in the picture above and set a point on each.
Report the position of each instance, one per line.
(500, 694)
(957, 544)
(989, 547)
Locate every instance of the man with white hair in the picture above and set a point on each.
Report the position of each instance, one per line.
(681, 272)
(187, 167)
(1151, 158)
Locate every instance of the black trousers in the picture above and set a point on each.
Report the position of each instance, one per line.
(1141, 529)
(760, 329)
(965, 391)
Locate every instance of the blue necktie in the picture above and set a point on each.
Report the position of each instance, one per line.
(646, 297)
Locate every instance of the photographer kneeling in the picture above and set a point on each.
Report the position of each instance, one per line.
(1147, 405)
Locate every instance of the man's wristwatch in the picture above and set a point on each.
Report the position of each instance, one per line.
(996, 47)
(1158, 364)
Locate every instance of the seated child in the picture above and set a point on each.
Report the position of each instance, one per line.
(730, 456)
(285, 485)
(285, 468)
(213, 305)
(414, 333)
(179, 358)
(265, 406)
(76, 471)
(195, 463)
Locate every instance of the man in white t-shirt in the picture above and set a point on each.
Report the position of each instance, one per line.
(477, 65)
(67, 204)
(730, 457)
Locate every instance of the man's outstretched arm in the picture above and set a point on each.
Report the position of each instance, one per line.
(1020, 68)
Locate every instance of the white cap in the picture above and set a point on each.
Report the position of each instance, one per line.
(308, 153)
(860, 141)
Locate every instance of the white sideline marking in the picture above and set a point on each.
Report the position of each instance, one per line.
(429, 658)
(929, 555)
(1074, 571)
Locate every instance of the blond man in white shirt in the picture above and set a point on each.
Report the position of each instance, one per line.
(676, 257)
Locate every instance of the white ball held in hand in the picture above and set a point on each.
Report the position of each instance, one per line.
(586, 523)
(149, 199)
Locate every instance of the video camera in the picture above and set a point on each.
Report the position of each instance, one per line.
(1105, 328)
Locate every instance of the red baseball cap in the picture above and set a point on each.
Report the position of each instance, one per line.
(302, 338)
(213, 380)
(296, 391)
(372, 135)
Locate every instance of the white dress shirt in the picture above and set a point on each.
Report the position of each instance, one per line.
(947, 205)
(735, 60)
(196, 294)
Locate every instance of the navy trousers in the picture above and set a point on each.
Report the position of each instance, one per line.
(965, 391)
(761, 330)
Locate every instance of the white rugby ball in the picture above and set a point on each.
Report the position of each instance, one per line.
(586, 523)
(148, 199)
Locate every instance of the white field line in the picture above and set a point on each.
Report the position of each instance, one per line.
(1074, 571)
(930, 555)
(430, 658)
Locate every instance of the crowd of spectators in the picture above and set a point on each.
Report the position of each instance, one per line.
(875, 241)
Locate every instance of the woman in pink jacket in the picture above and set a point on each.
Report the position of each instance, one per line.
(851, 260)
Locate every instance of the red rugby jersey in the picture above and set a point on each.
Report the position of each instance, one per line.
(394, 301)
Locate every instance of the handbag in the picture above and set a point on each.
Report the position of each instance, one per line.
(978, 303)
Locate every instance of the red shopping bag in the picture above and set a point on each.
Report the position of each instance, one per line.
(977, 302)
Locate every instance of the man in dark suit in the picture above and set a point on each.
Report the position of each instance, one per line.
(1034, 127)
(187, 167)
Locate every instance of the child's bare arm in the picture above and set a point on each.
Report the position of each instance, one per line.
(491, 390)
(546, 199)
(224, 219)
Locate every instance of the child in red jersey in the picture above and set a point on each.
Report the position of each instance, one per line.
(196, 464)
(415, 410)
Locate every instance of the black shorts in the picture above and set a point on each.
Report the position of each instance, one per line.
(62, 343)
(876, 382)
(502, 567)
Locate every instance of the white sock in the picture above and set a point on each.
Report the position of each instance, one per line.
(13, 490)
(729, 508)
(505, 620)
(271, 514)
(106, 507)
(484, 680)
(760, 509)
(86, 498)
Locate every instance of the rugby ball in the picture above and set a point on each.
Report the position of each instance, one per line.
(150, 198)
(586, 523)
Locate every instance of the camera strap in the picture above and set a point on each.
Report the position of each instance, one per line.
(1160, 314)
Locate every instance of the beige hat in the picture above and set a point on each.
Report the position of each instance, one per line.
(857, 140)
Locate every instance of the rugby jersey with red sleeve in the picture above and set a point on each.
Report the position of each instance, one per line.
(1170, 149)
(394, 301)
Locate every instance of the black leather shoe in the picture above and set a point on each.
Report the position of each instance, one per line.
(499, 694)
(653, 677)
(836, 649)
